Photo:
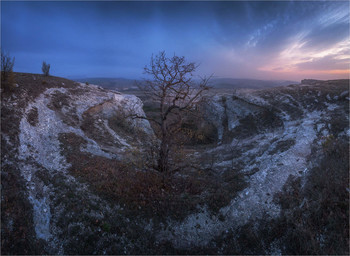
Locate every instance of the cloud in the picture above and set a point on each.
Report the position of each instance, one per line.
(260, 34)
(321, 46)
(329, 62)
(231, 39)
(296, 57)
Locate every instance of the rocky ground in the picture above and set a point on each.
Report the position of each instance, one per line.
(75, 178)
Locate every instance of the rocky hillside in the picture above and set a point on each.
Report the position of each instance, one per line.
(268, 135)
(75, 180)
(45, 120)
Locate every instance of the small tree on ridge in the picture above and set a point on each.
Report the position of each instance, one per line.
(6, 65)
(45, 68)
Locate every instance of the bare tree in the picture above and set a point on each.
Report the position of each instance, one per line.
(171, 85)
(6, 65)
(45, 68)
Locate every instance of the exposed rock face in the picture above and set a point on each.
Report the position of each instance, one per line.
(284, 124)
(99, 117)
(85, 111)
(63, 110)
(52, 127)
(247, 112)
(230, 112)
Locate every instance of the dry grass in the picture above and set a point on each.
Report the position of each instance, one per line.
(150, 193)
(17, 229)
(315, 213)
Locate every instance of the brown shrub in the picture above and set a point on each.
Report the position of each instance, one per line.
(316, 215)
(8, 81)
(147, 192)
(17, 228)
(33, 116)
(314, 218)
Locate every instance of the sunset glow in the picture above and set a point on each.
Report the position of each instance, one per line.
(299, 61)
(238, 39)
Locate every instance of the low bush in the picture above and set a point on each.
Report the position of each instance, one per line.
(7, 76)
(8, 81)
(17, 227)
(150, 193)
(338, 123)
(315, 216)
(197, 132)
(6, 65)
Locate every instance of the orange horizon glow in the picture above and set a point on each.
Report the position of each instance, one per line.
(295, 56)
(311, 72)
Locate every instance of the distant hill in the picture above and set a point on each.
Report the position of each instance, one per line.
(110, 83)
(222, 83)
(229, 83)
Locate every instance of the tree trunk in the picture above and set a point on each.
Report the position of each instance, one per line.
(163, 160)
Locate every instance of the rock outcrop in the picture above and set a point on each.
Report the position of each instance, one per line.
(268, 135)
(56, 132)
(101, 118)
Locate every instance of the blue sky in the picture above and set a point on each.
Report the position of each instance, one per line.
(239, 39)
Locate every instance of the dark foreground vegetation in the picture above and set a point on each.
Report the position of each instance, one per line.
(314, 217)
(149, 193)
(315, 212)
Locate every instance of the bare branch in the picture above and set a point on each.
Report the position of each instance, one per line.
(175, 92)
(145, 118)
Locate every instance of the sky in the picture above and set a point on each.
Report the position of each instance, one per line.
(289, 40)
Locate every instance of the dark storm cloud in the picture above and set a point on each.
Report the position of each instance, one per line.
(117, 38)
